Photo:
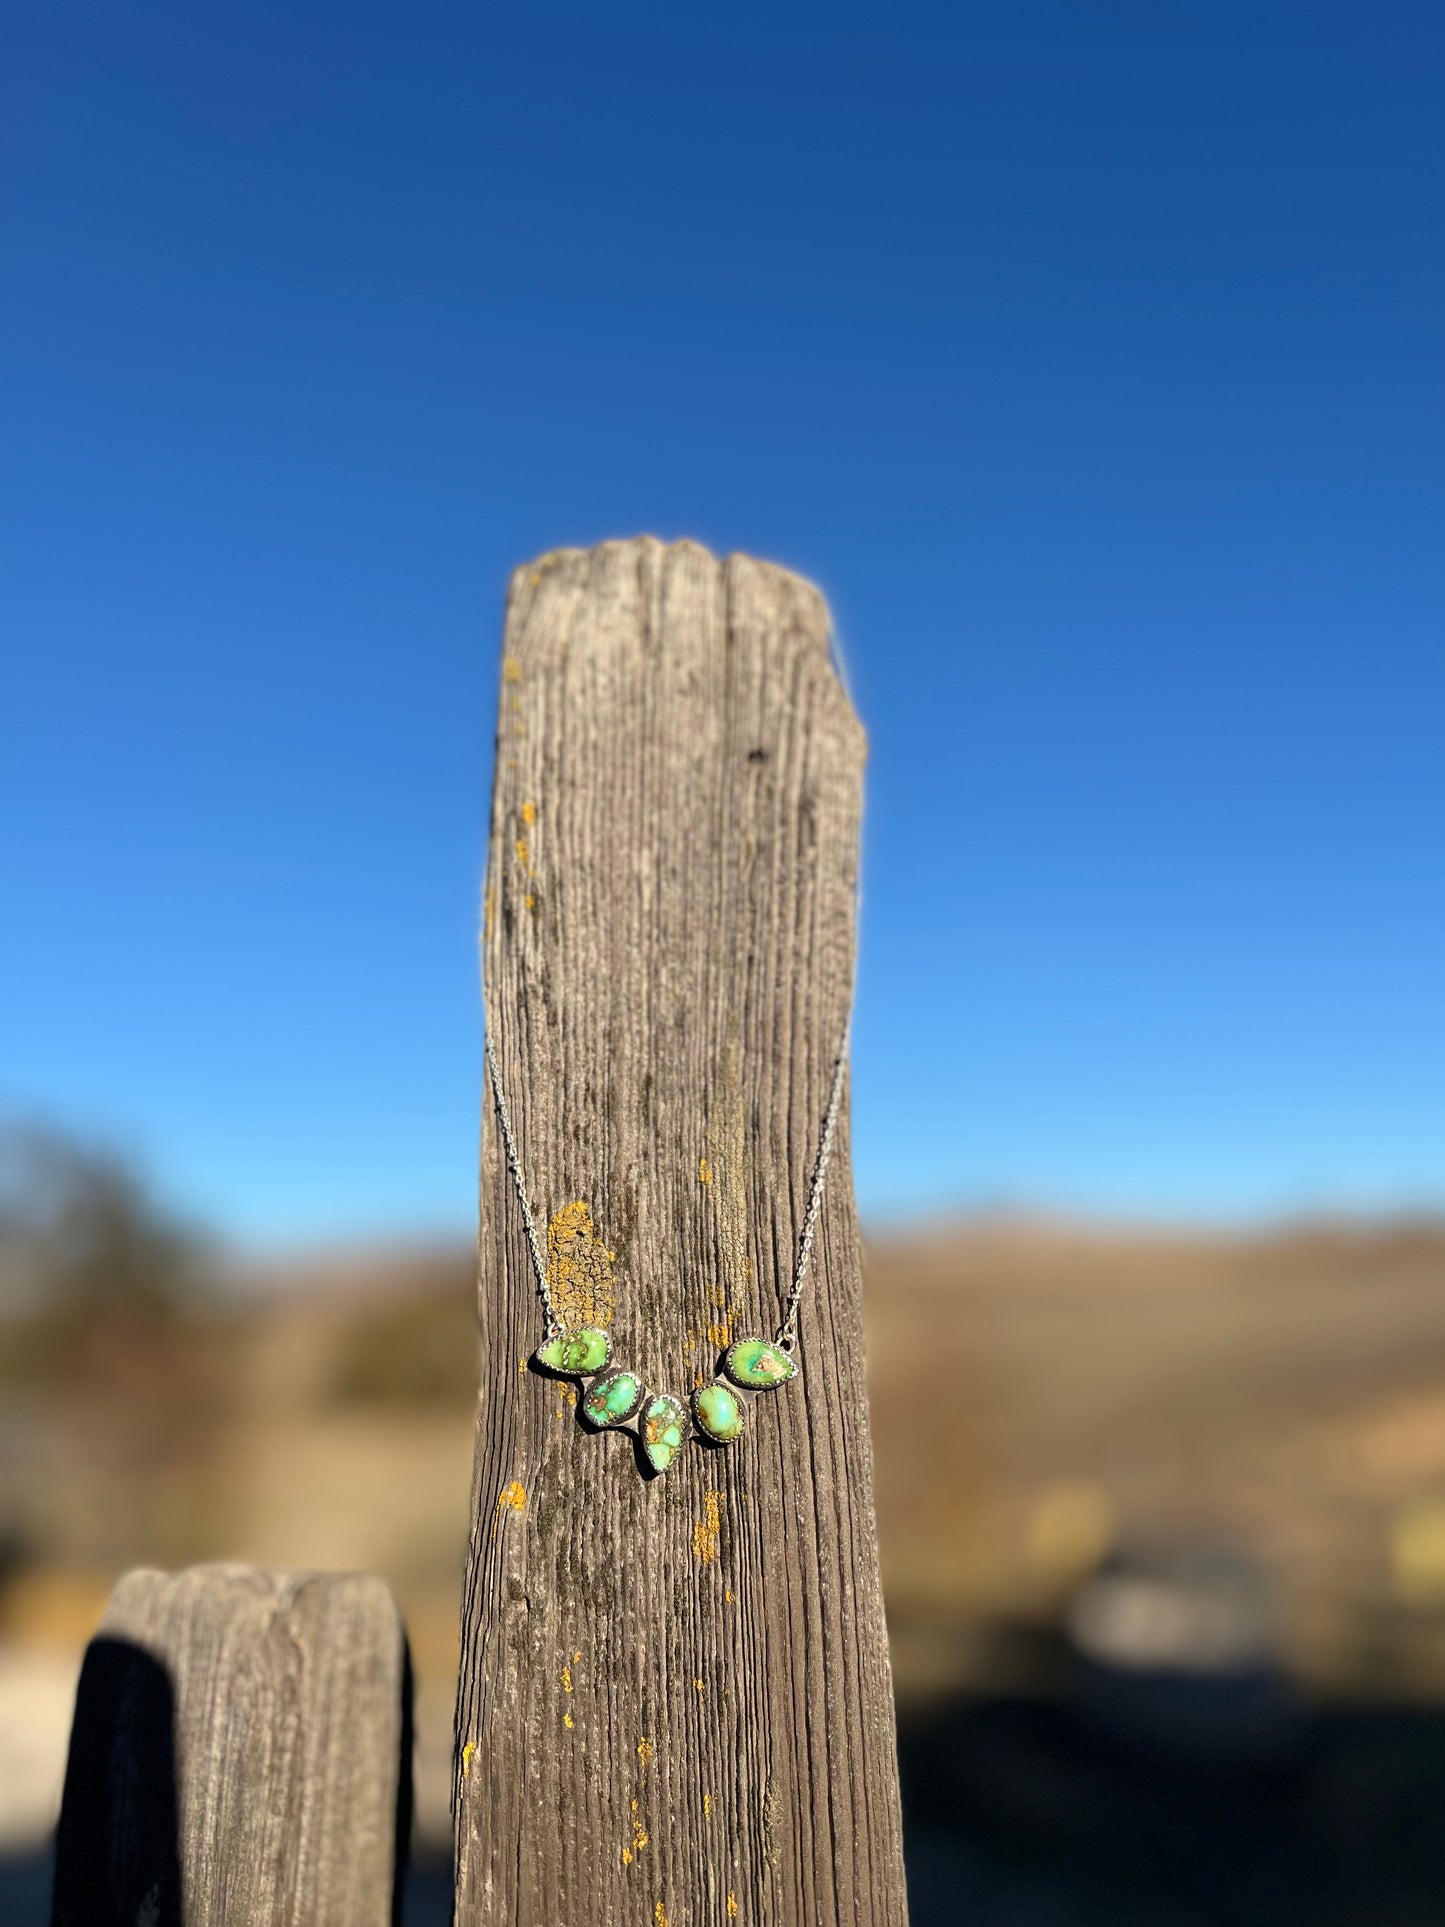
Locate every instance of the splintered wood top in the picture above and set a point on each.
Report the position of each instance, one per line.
(674, 1702)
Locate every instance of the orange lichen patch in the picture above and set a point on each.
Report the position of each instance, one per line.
(700, 1685)
(707, 1531)
(579, 1269)
(512, 1498)
(720, 1334)
(728, 1596)
(704, 1171)
(639, 1832)
(566, 1679)
(647, 1753)
(531, 901)
(529, 814)
(568, 1721)
(732, 1905)
(659, 1915)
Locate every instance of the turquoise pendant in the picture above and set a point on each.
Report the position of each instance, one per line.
(756, 1365)
(615, 1399)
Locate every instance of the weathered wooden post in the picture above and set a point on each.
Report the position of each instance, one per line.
(240, 1755)
(674, 1704)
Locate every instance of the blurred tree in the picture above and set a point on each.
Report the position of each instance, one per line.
(78, 1228)
(110, 1355)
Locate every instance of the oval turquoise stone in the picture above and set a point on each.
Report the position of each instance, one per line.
(755, 1363)
(663, 1428)
(719, 1411)
(613, 1399)
(585, 1350)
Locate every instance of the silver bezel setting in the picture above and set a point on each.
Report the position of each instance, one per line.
(637, 1425)
(594, 1379)
(725, 1370)
(744, 1399)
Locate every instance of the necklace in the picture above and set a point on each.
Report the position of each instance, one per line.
(615, 1399)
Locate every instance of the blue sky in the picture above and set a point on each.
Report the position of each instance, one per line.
(1089, 358)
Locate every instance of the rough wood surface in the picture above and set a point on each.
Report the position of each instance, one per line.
(239, 1754)
(674, 1704)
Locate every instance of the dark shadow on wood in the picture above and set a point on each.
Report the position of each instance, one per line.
(404, 1792)
(117, 1854)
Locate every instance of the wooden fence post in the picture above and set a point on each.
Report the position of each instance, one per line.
(240, 1755)
(674, 1705)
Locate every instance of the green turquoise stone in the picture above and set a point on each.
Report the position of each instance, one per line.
(719, 1411)
(613, 1399)
(584, 1351)
(755, 1363)
(663, 1429)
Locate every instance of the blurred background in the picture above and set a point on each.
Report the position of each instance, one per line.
(1089, 360)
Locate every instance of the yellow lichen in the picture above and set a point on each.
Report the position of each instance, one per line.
(529, 814)
(639, 1832)
(704, 1171)
(720, 1335)
(732, 1905)
(524, 854)
(467, 1751)
(566, 1679)
(567, 1721)
(646, 1752)
(579, 1269)
(511, 669)
(707, 1531)
(706, 1805)
(659, 1915)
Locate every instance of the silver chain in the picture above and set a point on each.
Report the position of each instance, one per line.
(787, 1333)
(555, 1327)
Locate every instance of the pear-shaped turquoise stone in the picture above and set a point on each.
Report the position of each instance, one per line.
(719, 1411)
(613, 1399)
(663, 1428)
(586, 1350)
(755, 1363)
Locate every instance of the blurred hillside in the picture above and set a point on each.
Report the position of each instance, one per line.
(1044, 1397)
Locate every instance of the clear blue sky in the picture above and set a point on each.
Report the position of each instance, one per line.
(1091, 358)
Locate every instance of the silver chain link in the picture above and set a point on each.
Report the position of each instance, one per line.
(787, 1333)
(555, 1327)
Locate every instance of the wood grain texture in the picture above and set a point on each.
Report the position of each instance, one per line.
(238, 1754)
(674, 1705)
